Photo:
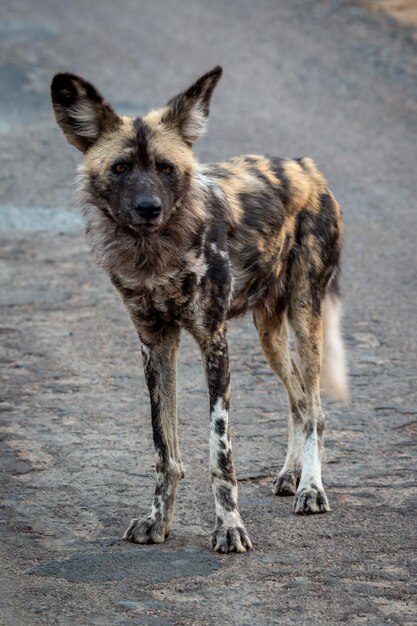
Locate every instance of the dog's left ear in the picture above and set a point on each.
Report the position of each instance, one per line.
(188, 111)
(81, 111)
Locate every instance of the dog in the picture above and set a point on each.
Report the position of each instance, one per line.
(191, 246)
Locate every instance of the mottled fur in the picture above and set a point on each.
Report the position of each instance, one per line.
(190, 246)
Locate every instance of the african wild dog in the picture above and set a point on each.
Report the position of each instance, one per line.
(191, 245)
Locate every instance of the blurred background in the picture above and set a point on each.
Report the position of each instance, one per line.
(332, 79)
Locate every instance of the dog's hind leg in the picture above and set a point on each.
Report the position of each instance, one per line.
(274, 341)
(229, 534)
(306, 319)
(159, 355)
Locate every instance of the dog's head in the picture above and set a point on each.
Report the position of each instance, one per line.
(135, 170)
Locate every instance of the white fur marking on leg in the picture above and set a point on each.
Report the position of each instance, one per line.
(295, 450)
(311, 473)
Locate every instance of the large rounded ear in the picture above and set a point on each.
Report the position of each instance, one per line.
(188, 111)
(81, 111)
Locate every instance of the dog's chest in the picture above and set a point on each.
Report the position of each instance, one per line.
(162, 297)
(176, 295)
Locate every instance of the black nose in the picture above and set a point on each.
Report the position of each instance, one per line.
(147, 206)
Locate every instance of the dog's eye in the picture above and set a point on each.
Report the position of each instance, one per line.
(165, 168)
(119, 168)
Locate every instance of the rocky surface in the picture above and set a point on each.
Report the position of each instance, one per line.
(316, 78)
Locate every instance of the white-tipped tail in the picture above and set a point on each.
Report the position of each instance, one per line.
(334, 377)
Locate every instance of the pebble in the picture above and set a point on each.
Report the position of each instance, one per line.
(297, 582)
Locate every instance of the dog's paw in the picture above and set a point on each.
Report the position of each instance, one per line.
(146, 530)
(230, 539)
(286, 484)
(311, 500)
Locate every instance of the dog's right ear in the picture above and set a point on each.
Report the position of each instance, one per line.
(81, 111)
(188, 111)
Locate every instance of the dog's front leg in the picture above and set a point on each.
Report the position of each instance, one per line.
(229, 534)
(159, 360)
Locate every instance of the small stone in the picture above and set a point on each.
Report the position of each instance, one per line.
(297, 582)
(143, 605)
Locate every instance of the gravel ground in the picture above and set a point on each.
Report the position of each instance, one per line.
(324, 79)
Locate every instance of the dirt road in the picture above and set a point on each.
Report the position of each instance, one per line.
(323, 79)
